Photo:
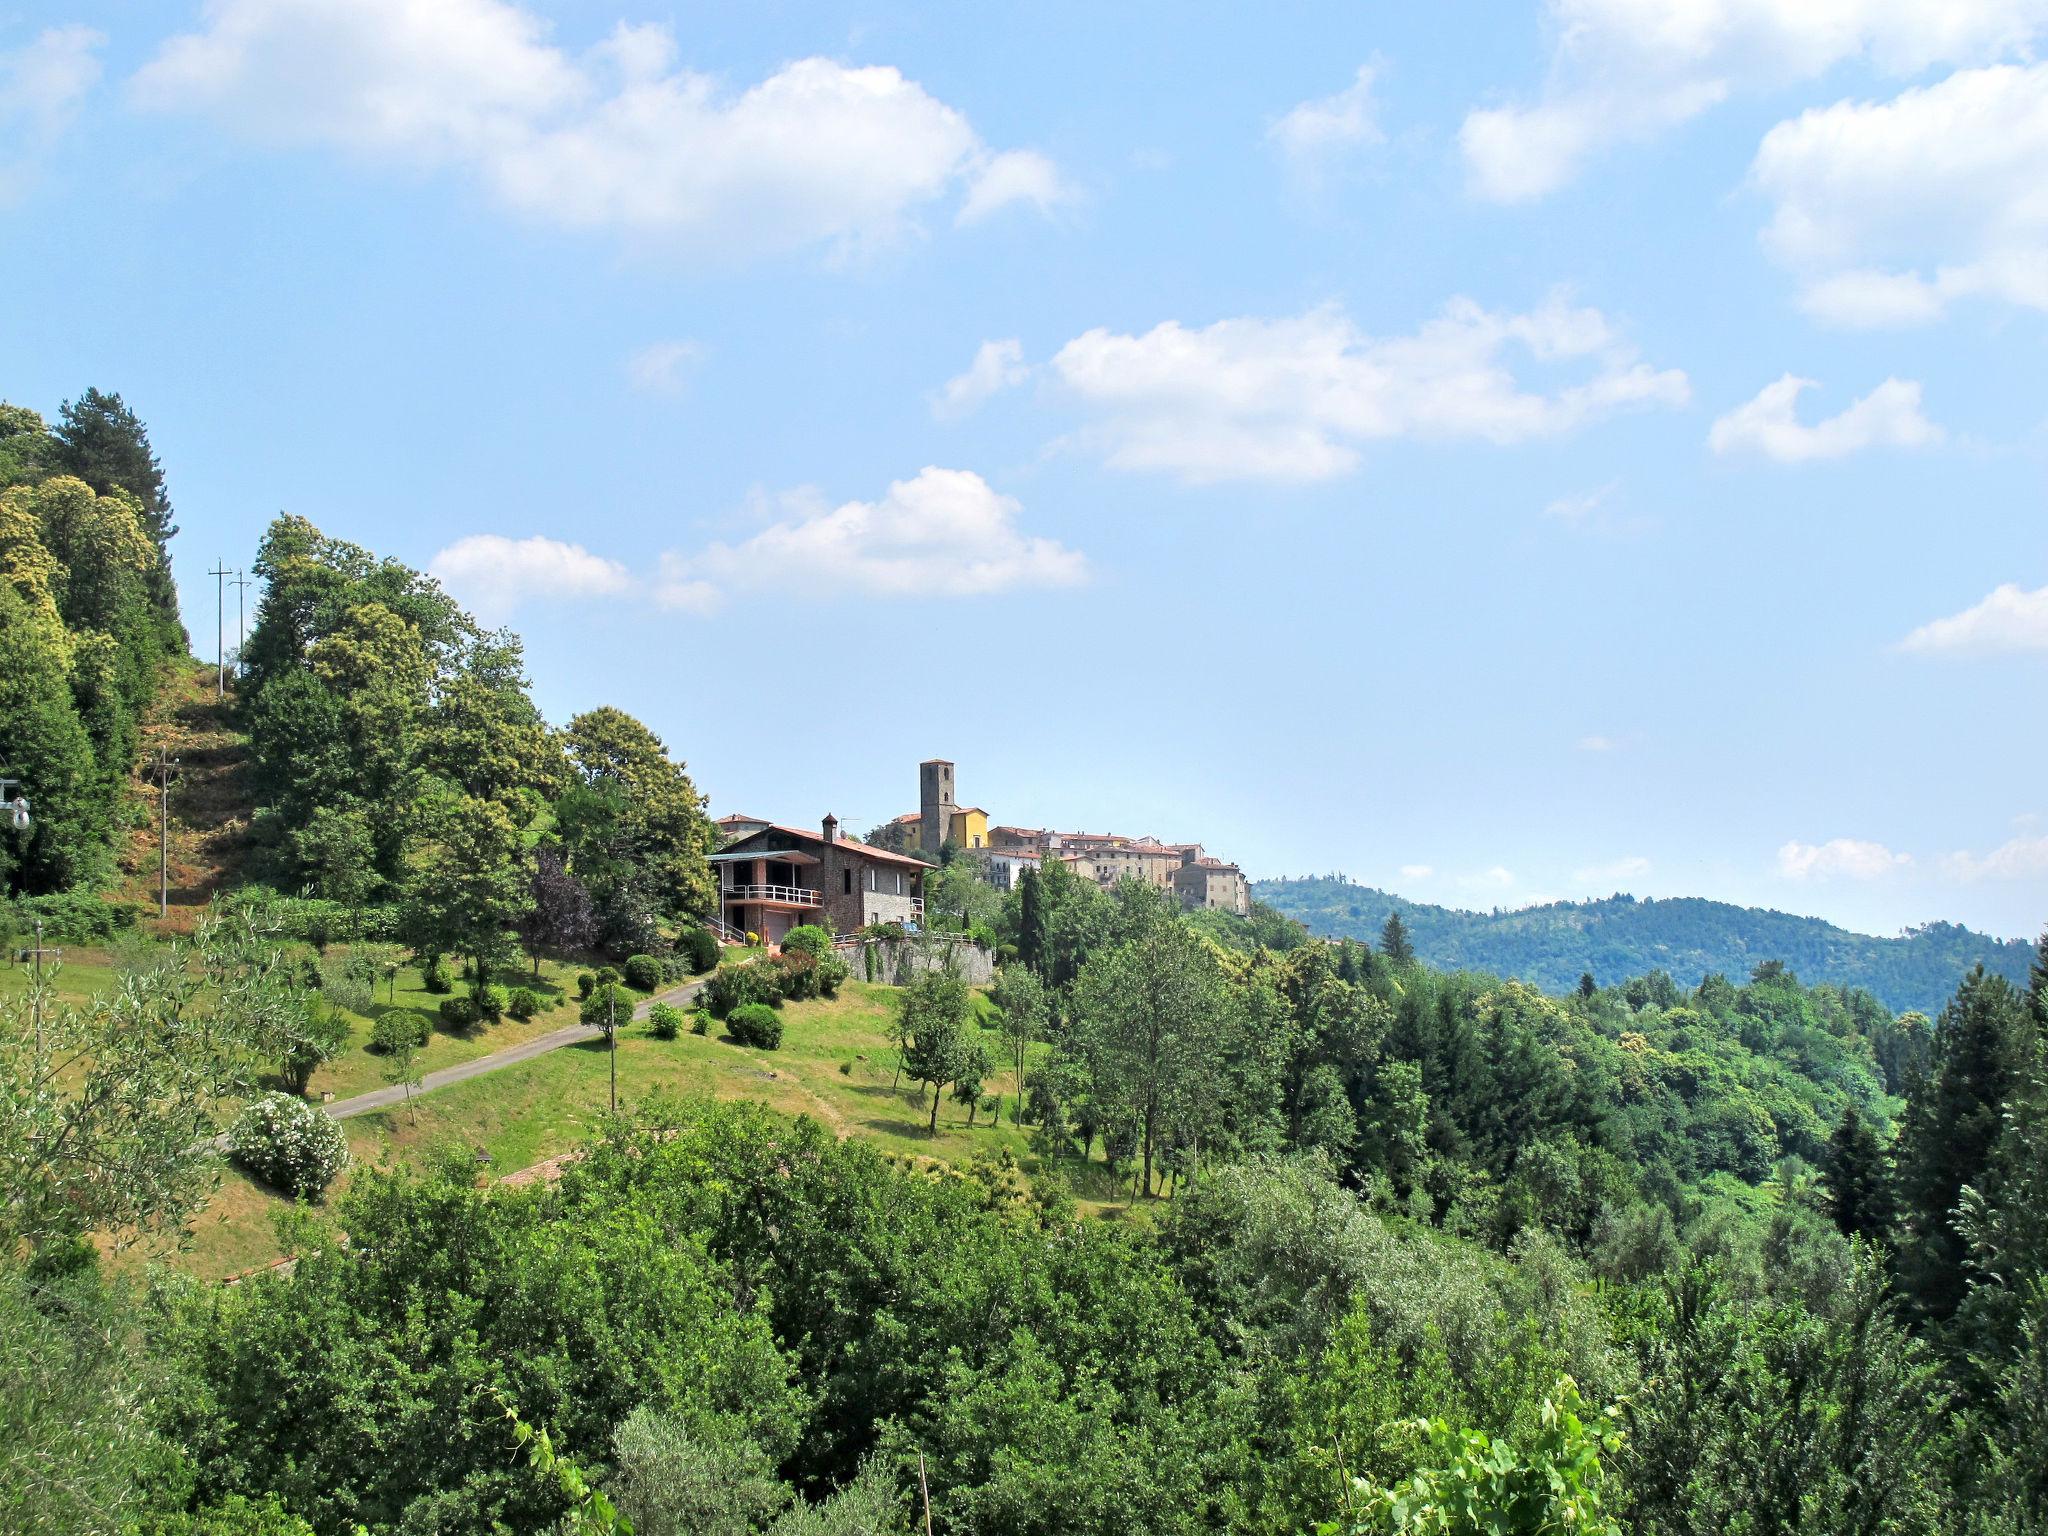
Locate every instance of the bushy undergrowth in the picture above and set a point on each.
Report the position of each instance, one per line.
(289, 1144)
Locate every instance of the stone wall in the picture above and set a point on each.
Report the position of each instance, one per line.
(893, 962)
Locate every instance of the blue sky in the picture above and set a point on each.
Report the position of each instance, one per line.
(1361, 437)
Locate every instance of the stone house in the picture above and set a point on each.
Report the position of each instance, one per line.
(777, 878)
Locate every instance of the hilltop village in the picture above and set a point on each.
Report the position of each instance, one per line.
(773, 877)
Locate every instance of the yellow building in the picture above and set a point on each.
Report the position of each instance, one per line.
(968, 827)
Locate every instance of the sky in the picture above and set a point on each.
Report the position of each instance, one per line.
(1502, 452)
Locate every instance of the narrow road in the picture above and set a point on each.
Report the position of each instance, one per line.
(540, 1045)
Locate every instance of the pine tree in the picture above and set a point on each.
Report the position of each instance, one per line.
(101, 441)
(1953, 1122)
(1394, 941)
(2037, 984)
(1857, 1180)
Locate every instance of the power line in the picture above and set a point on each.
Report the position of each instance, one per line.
(220, 610)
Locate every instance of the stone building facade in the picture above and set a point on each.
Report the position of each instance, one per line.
(778, 878)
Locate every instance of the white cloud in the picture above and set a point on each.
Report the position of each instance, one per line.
(1495, 879)
(2022, 858)
(997, 366)
(1292, 399)
(1576, 511)
(496, 574)
(1845, 856)
(616, 138)
(1889, 211)
(1596, 744)
(1634, 867)
(41, 85)
(943, 533)
(1417, 871)
(1014, 176)
(2010, 619)
(660, 366)
(1314, 133)
(1628, 70)
(1888, 417)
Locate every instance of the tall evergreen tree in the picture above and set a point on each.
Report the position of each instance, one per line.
(1857, 1180)
(101, 441)
(1953, 1121)
(1394, 941)
(2037, 984)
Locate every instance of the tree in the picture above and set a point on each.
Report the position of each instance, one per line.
(43, 744)
(1858, 1181)
(1952, 1124)
(561, 916)
(1150, 1017)
(466, 884)
(970, 1072)
(337, 854)
(402, 1071)
(932, 1024)
(1588, 987)
(2037, 984)
(661, 814)
(101, 441)
(1394, 941)
(1020, 999)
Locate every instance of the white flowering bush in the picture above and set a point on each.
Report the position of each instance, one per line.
(289, 1144)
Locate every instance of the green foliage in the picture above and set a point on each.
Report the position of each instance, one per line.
(830, 974)
(523, 1004)
(700, 1021)
(586, 983)
(289, 1144)
(397, 1030)
(738, 983)
(664, 1021)
(808, 939)
(610, 1006)
(700, 946)
(459, 1014)
(490, 1001)
(434, 977)
(1476, 1485)
(642, 973)
(756, 1025)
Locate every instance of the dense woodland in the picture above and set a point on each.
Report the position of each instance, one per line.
(1551, 946)
(1313, 1235)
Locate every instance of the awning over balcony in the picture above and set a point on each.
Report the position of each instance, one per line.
(777, 857)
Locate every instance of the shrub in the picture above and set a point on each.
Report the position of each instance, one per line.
(700, 1021)
(458, 1013)
(643, 973)
(523, 1004)
(395, 1030)
(756, 1024)
(610, 1001)
(735, 986)
(490, 1003)
(699, 946)
(832, 970)
(796, 973)
(664, 1022)
(809, 939)
(608, 976)
(288, 1144)
(585, 983)
(434, 976)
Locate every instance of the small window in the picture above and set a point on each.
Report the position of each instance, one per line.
(846, 882)
(899, 882)
(871, 878)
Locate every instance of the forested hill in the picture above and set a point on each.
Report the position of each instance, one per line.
(1552, 946)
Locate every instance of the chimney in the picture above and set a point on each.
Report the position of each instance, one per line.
(831, 828)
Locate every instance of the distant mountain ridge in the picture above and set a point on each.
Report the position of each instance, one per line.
(1619, 936)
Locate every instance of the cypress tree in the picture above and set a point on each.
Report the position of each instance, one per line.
(1394, 941)
(1858, 1183)
(1953, 1121)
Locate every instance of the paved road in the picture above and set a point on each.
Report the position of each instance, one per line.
(540, 1045)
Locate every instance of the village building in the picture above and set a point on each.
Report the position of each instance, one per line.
(1212, 884)
(776, 878)
(731, 828)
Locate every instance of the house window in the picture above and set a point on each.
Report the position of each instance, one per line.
(899, 882)
(871, 878)
(846, 882)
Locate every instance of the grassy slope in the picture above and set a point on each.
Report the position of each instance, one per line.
(541, 1109)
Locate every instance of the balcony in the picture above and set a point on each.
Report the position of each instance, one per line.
(774, 895)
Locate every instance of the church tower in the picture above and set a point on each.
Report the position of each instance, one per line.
(935, 805)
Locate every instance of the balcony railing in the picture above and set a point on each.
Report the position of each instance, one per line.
(782, 895)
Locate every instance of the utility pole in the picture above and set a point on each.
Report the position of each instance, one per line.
(165, 772)
(220, 623)
(611, 1039)
(241, 628)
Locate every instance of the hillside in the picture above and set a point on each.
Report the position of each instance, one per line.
(1620, 936)
(211, 798)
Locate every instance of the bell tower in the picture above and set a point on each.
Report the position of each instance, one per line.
(935, 804)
